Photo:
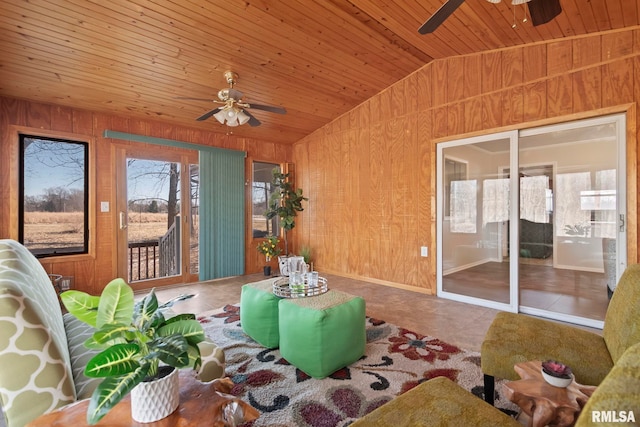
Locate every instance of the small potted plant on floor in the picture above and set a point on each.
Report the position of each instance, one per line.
(140, 349)
(269, 248)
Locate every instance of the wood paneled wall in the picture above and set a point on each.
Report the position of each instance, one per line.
(370, 174)
(92, 273)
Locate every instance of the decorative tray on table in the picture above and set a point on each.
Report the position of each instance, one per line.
(281, 288)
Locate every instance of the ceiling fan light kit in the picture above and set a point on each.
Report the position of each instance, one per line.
(234, 111)
(232, 115)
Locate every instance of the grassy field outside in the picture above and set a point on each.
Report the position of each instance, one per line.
(64, 230)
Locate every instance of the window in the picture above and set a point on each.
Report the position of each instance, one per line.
(54, 194)
(260, 194)
(454, 170)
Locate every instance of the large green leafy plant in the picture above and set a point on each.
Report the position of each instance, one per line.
(285, 203)
(134, 337)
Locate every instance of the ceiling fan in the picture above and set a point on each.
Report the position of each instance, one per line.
(233, 110)
(541, 11)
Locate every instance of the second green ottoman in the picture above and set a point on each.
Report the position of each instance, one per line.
(324, 333)
(259, 313)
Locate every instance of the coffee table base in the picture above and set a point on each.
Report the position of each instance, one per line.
(544, 403)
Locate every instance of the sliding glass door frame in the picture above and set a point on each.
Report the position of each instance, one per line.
(619, 120)
(514, 303)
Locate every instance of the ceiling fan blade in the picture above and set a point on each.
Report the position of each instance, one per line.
(194, 99)
(252, 120)
(439, 16)
(269, 108)
(543, 11)
(205, 116)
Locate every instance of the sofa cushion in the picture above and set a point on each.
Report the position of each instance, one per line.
(515, 338)
(35, 374)
(622, 321)
(438, 402)
(618, 394)
(213, 361)
(77, 333)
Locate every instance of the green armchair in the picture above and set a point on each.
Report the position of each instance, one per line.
(440, 402)
(514, 338)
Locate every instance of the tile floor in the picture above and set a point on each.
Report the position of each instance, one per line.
(457, 323)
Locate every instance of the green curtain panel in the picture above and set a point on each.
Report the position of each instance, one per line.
(221, 214)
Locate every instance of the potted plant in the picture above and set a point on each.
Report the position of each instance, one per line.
(305, 253)
(269, 248)
(285, 203)
(137, 346)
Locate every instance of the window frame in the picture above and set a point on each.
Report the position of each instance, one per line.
(16, 201)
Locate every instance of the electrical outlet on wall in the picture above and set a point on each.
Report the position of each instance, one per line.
(424, 251)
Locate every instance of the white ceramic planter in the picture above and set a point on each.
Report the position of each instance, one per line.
(557, 382)
(152, 401)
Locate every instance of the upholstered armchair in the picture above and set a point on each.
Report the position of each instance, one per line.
(440, 402)
(514, 338)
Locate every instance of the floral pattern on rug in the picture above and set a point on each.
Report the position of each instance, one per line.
(395, 361)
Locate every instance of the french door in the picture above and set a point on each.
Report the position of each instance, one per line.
(157, 216)
(534, 220)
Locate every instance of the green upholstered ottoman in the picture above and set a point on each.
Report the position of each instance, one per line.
(259, 312)
(324, 333)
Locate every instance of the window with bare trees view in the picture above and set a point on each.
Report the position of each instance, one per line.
(53, 195)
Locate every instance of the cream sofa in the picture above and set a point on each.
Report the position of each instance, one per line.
(42, 357)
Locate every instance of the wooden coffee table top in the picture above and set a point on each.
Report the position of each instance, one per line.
(544, 403)
(200, 404)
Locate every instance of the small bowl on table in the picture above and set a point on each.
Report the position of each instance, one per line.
(557, 381)
(556, 373)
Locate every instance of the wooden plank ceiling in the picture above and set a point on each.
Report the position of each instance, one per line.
(318, 59)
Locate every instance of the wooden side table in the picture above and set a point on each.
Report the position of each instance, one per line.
(200, 404)
(544, 403)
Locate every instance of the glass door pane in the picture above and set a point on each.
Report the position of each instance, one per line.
(568, 218)
(474, 208)
(153, 219)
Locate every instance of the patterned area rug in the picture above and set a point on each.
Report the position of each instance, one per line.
(395, 360)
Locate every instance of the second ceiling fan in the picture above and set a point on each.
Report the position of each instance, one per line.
(541, 11)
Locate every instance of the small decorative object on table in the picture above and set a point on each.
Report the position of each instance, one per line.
(269, 248)
(557, 374)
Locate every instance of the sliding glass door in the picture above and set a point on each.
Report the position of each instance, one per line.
(572, 239)
(474, 208)
(562, 255)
